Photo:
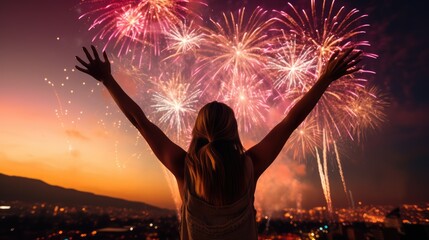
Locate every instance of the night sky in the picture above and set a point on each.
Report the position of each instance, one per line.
(38, 43)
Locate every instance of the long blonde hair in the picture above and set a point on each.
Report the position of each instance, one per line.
(216, 158)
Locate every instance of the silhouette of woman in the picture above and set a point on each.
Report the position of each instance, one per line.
(217, 176)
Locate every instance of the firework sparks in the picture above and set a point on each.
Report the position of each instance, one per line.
(331, 107)
(128, 74)
(129, 23)
(236, 45)
(303, 140)
(328, 29)
(323, 173)
(368, 110)
(176, 100)
(119, 22)
(184, 38)
(248, 98)
(292, 64)
(233, 53)
(136, 25)
(340, 169)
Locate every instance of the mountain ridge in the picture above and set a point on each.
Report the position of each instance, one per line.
(16, 188)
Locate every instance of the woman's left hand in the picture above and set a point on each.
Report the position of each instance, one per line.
(95, 67)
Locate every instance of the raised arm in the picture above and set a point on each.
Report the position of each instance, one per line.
(264, 152)
(170, 154)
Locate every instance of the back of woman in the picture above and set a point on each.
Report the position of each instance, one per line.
(202, 220)
(219, 186)
(216, 175)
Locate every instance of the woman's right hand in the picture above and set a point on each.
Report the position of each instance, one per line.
(95, 67)
(341, 64)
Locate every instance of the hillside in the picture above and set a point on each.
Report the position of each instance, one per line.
(33, 190)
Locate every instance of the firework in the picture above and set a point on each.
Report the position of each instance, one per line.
(340, 169)
(323, 173)
(250, 61)
(183, 38)
(306, 44)
(292, 64)
(327, 27)
(130, 76)
(303, 140)
(176, 100)
(135, 25)
(248, 98)
(331, 107)
(368, 110)
(236, 45)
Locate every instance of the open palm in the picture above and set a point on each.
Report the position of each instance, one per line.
(95, 67)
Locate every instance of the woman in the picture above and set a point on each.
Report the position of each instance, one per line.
(217, 176)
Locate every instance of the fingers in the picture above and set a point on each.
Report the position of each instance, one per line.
(354, 56)
(351, 66)
(82, 62)
(94, 50)
(334, 55)
(82, 69)
(348, 51)
(106, 59)
(353, 63)
(352, 70)
(342, 57)
(346, 60)
(87, 54)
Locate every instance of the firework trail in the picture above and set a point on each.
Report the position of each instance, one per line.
(267, 225)
(175, 99)
(236, 45)
(352, 201)
(323, 173)
(325, 170)
(340, 169)
(324, 182)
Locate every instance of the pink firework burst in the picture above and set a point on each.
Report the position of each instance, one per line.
(236, 45)
(136, 25)
(291, 64)
(247, 96)
(175, 99)
(183, 38)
